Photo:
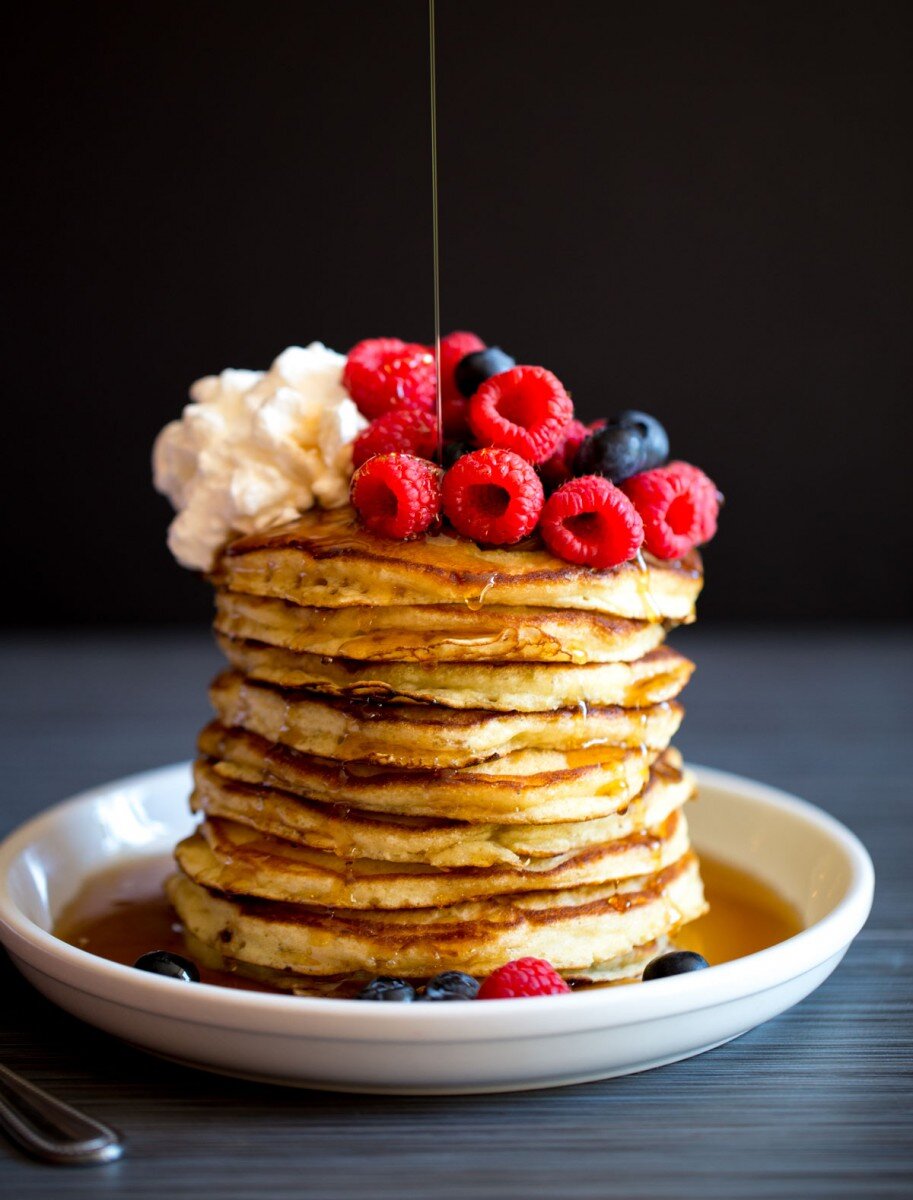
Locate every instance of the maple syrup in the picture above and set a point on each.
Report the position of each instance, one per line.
(122, 913)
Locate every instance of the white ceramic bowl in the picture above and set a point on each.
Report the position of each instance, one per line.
(811, 859)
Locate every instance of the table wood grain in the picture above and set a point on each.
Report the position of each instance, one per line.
(817, 1103)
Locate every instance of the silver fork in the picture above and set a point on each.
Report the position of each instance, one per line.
(51, 1130)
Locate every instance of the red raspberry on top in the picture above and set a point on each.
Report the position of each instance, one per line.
(560, 467)
(523, 977)
(397, 495)
(492, 496)
(708, 497)
(408, 430)
(678, 505)
(589, 520)
(384, 373)
(454, 405)
(525, 409)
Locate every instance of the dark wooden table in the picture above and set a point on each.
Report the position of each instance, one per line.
(815, 1104)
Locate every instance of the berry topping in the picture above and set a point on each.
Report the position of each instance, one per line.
(397, 495)
(385, 987)
(408, 430)
(560, 467)
(622, 446)
(614, 453)
(590, 520)
(384, 373)
(172, 966)
(678, 962)
(472, 370)
(676, 508)
(455, 414)
(451, 985)
(655, 438)
(454, 348)
(525, 410)
(707, 496)
(523, 977)
(492, 496)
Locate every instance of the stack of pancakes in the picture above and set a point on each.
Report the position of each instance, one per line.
(432, 756)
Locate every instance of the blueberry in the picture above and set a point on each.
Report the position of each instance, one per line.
(453, 451)
(626, 444)
(472, 370)
(173, 966)
(679, 962)
(451, 985)
(614, 452)
(655, 438)
(385, 987)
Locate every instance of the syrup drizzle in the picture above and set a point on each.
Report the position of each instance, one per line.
(432, 75)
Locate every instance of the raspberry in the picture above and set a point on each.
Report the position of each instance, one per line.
(454, 410)
(409, 430)
(560, 467)
(492, 496)
(675, 508)
(525, 409)
(453, 404)
(384, 373)
(589, 520)
(397, 495)
(523, 977)
(708, 498)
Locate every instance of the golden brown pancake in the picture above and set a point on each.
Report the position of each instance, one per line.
(527, 787)
(423, 735)
(352, 833)
(624, 968)
(573, 928)
(505, 687)
(326, 559)
(430, 633)
(236, 860)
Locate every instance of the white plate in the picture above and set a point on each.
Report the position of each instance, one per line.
(811, 859)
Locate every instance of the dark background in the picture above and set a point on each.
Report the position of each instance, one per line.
(703, 210)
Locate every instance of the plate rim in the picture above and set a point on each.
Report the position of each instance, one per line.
(323, 1017)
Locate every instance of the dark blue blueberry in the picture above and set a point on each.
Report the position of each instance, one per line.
(385, 987)
(472, 370)
(678, 962)
(451, 985)
(655, 438)
(627, 444)
(615, 453)
(453, 451)
(173, 966)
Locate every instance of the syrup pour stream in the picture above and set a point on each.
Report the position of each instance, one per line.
(432, 75)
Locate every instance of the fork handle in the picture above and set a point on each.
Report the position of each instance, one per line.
(51, 1130)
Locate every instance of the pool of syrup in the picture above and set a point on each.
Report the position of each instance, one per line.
(122, 913)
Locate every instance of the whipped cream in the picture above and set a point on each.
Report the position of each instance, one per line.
(254, 449)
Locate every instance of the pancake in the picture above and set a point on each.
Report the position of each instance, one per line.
(624, 968)
(412, 735)
(325, 558)
(573, 928)
(527, 787)
(231, 858)
(351, 833)
(437, 632)
(513, 687)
